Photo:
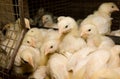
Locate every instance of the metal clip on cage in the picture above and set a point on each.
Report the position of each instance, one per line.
(11, 10)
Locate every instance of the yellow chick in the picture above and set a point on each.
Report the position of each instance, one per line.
(55, 63)
(97, 60)
(48, 48)
(37, 34)
(27, 58)
(101, 18)
(69, 36)
(93, 38)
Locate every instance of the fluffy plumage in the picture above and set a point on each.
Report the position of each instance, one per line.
(79, 56)
(48, 47)
(28, 57)
(91, 64)
(102, 17)
(69, 36)
(40, 73)
(37, 34)
(55, 63)
(90, 33)
(13, 31)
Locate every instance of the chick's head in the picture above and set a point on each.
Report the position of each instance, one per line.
(65, 24)
(108, 7)
(33, 32)
(29, 41)
(47, 18)
(50, 46)
(27, 57)
(88, 30)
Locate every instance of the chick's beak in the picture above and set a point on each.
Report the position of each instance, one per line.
(117, 9)
(46, 51)
(83, 34)
(33, 43)
(30, 61)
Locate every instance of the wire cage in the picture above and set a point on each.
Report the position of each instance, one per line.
(11, 10)
(12, 23)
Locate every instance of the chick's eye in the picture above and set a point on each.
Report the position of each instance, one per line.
(66, 26)
(51, 46)
(8, 26)
(89, 30)
(46, 17)
(112, 6)
(28, 42)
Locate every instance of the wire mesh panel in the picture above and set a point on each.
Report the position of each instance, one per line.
(57, 7)
(12, 30)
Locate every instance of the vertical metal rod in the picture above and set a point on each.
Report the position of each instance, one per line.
(21, 13)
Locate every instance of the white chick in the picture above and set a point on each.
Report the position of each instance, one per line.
(102, 17)
(27, 58)
(13, 31)
(52, 35)
(55, 63)
(47, 21)
(40, 73)
(90, 33)
(48, 47)
(38, 35)
(97, 60)
(69, 36)
(29, 41)
(91, 64)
